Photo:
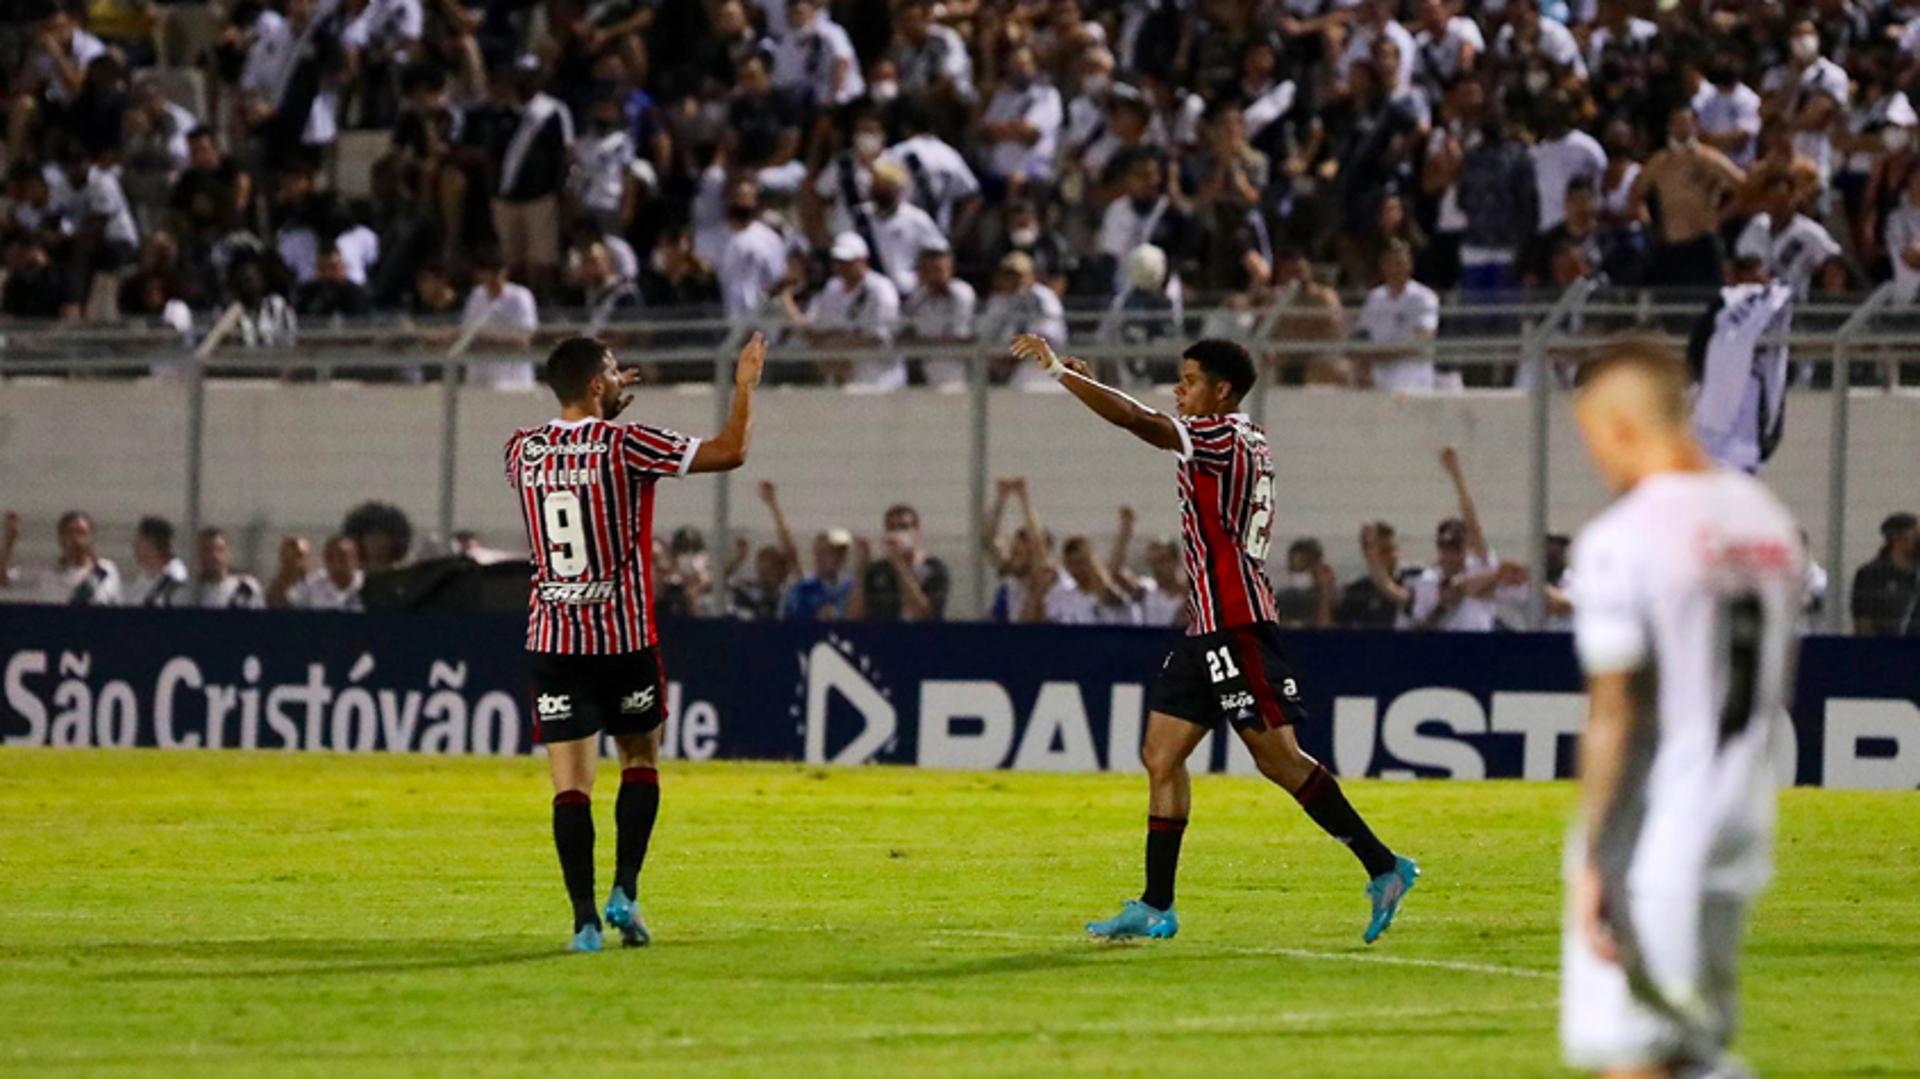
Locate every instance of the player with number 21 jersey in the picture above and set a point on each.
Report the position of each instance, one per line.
(585, 486)
(1230, 666)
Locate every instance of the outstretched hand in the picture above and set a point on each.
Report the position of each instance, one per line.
(1450, 460)
(753, 360)
(1034, 349)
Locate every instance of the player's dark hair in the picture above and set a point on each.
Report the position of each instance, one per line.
(573, 364)
(157, 531)
(1223, 361)
(370, 518)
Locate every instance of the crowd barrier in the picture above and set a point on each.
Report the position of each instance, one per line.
(975, 696)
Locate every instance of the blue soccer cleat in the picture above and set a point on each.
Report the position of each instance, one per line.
(1136, 919)
(585, 939)
(1386, 891)
(624, 914)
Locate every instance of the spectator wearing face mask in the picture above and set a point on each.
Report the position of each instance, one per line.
(1809, 94)
(1305, 596)
(754, 259)
(1029, 233)
(78, 578)
(1691, 183)
(840, 197)
(1151, 210)
(905, 584)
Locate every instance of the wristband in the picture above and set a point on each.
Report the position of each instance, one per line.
(1055, 368)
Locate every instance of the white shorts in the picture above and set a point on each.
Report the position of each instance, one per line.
(1680, 1001)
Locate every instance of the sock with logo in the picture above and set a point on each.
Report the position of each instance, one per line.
(1323, 800)
(1163, 860)
(573, 839)
(633, 815)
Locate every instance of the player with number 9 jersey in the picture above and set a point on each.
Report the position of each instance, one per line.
(585, 487)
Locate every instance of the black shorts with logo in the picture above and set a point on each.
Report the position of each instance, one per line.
(577, 697)
(1240, 675)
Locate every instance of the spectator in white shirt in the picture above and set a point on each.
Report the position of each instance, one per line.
(1903, 242)
(499, 315)
(281, 46)
(1810, 93)
(1528, 37)
(1461, 590)
(1376, 21)
(159, 578)
(901, 229)
(1790, 244)
(939, 312)
(815, 60)
(939, 179)
(1399, 311)
(1162, 594)
(215, 585)
(857, 309)
(931, 59)
(1021, 126)
(335, 586)
(79, 578)
(1619, 30)
(1564, 154)
(1021, 304)
(754, 259)
(1077, 591)
(55, 72)
(1729, 112)
(1447, 45)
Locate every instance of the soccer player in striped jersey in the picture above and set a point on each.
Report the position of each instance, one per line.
(1230, 665)
(586, 488)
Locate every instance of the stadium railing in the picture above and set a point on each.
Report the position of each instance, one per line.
(1524, 346)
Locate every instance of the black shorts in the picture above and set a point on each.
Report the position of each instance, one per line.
(577, 697)
(1240, 675)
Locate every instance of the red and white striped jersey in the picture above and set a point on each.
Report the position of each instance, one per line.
(1226, 521)
(586, 496)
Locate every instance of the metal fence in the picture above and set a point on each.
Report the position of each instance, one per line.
(1846, 348)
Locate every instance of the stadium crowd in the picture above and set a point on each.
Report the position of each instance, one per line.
(906, 171)
(845, 576)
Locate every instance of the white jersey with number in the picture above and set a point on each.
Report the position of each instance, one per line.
(1692, 583)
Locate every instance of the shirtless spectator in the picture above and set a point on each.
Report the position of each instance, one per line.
(1692, 183)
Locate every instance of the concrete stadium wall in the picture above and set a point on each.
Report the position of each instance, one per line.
(286, 458)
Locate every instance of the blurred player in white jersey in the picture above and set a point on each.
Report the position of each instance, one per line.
(1685, 594)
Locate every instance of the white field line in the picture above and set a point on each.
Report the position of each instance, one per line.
(1463, 966)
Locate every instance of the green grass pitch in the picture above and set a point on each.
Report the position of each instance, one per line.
(246, 914)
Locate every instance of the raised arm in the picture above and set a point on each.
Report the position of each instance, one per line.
(990, 528)
(9, 536)
(1122, 540)
(727, 450)
(1476, 539)
(296, 554)
(1154, 428)
(787, 547)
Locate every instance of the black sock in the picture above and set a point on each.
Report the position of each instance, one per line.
(633, 815)
(1323, 800)
(573, 839)
(1163, 860)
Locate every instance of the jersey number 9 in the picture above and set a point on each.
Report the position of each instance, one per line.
(566, 535)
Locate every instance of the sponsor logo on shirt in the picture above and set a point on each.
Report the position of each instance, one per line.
(576, 592)
(536, 449)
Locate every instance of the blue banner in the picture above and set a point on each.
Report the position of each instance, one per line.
(949, 696)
